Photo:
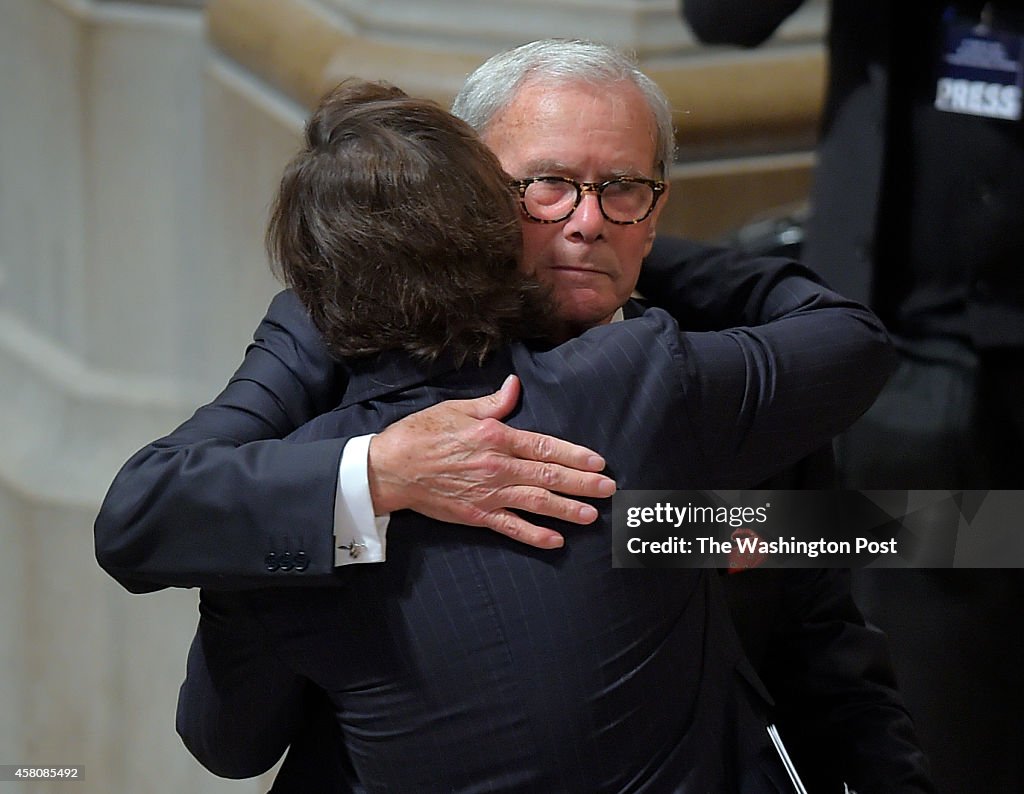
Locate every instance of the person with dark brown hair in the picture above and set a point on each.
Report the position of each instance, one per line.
(468, 661)
(396, 228)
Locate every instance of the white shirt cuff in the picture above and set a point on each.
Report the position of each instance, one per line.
(359, 535)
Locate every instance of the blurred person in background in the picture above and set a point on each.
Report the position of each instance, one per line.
(916, 209)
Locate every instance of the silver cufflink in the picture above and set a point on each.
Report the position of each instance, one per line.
(354, 549)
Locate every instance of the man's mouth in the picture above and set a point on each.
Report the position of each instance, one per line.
(578, 269)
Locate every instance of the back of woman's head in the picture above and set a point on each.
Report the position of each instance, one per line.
(396, 228)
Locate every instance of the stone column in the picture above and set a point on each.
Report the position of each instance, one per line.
(105, 343)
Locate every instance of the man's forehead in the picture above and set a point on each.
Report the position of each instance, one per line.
(557, 167)
(577, 127)
(559, 97)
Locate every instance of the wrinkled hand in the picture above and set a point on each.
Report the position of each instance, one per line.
(456, 461)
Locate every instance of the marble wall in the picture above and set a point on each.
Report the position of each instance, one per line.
(134, 174)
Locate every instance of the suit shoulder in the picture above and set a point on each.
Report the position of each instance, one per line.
(655, 327)
(623, 349)
(635, 341)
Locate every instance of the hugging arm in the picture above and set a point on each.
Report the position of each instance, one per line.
(710, 288)
(800, 365)
(456, 462)
(205, 504)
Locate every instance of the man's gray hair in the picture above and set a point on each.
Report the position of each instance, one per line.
(495, 83)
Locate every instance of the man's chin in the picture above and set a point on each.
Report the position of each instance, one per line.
(580, 314)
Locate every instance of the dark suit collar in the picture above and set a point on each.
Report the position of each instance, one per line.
(391, 371)
(633, 308)
(395, 371)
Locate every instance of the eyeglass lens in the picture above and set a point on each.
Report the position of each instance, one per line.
(621, 200)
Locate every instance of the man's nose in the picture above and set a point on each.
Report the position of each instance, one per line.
(587, 221)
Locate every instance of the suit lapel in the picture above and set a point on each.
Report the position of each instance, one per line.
(633, 308)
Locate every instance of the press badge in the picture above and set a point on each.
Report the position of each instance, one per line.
(980, 70)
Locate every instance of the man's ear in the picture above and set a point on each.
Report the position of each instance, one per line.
(652, 228)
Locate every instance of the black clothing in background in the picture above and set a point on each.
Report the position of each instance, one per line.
(918, 212)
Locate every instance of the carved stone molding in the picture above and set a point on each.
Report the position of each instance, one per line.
(737, 103)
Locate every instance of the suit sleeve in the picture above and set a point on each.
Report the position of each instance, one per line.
(710, 288)
(759, 397)
(736, 21)
(222, 502)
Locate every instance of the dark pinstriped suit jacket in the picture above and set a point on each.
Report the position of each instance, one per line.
(469, 663)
